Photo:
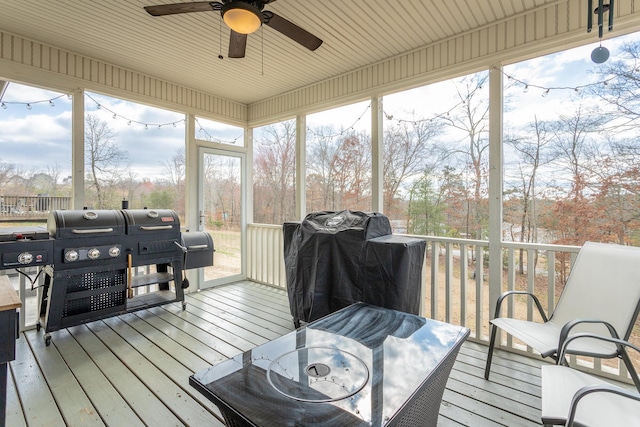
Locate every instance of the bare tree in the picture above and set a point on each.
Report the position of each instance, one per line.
(6, 172)
(174, 168)
(470, 119)
(338, 166)
(104, 158)
(274, 174)
(409, 151)
(532, 153)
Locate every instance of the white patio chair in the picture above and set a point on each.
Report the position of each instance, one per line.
(571, 397)
(601, 296)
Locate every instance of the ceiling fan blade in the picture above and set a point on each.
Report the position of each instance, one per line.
(172, 9)
(237, 45)
(294, 32)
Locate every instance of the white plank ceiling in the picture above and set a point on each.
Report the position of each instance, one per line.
(184, 48)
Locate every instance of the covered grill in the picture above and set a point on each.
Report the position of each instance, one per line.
(96, 257)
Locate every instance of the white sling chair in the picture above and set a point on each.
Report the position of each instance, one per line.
(571, 397)
(601, 296)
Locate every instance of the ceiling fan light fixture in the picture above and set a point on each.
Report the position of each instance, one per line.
(241, 17)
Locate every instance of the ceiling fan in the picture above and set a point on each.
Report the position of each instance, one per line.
(243, 17)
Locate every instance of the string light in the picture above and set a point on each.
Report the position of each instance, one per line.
(343, 131)
(429, 119)
(29, 104)
(211, 138)
(115, 115)
(546, 89)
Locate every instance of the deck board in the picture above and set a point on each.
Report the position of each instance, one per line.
(133, 369)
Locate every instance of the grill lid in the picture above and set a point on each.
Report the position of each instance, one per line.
(150, 221)
(85, 223)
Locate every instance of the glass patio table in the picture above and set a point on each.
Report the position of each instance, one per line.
(360, 366)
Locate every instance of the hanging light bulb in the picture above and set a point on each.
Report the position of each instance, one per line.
(146, 127)
(51, 104)
(29, 107)
(545, 93)
(99, 106)
(526, 88)
(114, 115)
(129, 123)
(4, 106)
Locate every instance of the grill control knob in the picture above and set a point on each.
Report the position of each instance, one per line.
(25, 258)
(93, 253)
(71, 256)
(114, 251)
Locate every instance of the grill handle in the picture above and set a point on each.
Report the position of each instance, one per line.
(92, 231)
(155, 227)
(196, 247)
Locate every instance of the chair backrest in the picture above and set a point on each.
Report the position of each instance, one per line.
(604, 283)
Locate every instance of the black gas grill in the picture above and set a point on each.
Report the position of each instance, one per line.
(96, 256)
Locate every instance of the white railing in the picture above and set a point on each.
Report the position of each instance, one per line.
(265, 255)
(456, 286)
(30, 207)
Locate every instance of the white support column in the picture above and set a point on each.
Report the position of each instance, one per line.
(77, 148)
(377, 163)
(495, 185)
(248, 176)
(191, 196)
(301, 167)
(191, 179)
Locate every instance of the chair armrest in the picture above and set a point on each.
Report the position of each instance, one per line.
(620, 345)
(566, 329)
(586, 390)
(509, 293)
(615, 340)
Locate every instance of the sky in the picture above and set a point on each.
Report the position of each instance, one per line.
(38, 135)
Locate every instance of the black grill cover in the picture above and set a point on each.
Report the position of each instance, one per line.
(391, 272)
(323, 256)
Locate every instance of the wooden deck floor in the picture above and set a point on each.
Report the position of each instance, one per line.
(133, 370)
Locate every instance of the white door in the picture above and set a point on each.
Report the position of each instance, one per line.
(221, 204)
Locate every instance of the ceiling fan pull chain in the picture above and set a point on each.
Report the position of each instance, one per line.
(220, 41)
